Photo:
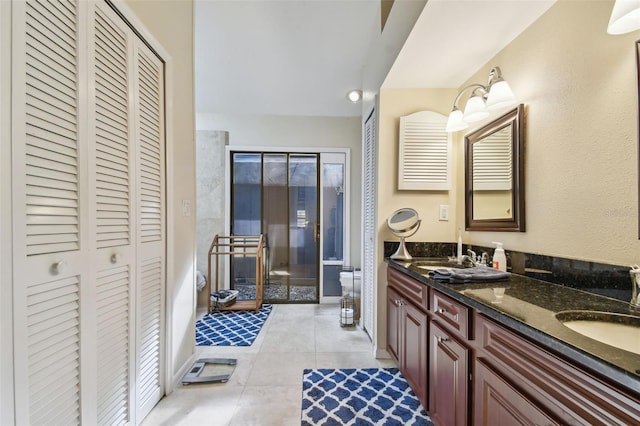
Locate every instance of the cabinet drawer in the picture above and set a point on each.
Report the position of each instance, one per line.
(573, 395)
(409, 288)
(453, 315)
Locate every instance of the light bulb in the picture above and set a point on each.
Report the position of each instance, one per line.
(500, 95)
(475, 110)
(455, 122)
(625, 17)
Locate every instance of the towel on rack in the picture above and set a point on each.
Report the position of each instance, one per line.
(469, 275)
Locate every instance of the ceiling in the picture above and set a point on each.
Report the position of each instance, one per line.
(300, 57)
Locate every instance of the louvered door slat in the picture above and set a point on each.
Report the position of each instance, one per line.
(425, 152)
(112, 302)
(112, 131)
(51, 117)
(53, 332)
(150, 328)
(65, 9)
(150, 152)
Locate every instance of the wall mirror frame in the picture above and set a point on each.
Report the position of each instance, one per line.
(494, 191)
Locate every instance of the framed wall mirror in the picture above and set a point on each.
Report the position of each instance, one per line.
(494, 175)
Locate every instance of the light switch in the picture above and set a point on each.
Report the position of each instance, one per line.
(444, 212)
(186, 208)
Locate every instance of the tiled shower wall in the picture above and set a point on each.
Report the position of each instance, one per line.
(210, 191)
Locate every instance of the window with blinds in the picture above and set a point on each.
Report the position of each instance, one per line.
(424, 160)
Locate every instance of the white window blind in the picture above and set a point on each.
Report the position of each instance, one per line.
(424, 160)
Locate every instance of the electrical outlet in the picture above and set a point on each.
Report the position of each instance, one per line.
(444, 212)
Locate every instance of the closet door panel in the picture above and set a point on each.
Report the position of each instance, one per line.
(113, 195)
(150, 244)
(49, 265)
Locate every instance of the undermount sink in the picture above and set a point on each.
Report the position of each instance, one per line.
(431, 264)
(618, 330)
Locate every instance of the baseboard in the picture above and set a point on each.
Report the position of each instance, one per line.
(382, 353)
(177, 378)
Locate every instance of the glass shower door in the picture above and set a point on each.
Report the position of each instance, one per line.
(276, 194)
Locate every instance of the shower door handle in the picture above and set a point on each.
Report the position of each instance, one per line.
(316, 231)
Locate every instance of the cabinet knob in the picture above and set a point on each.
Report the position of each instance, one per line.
(115, 257)
(442, 339)
(442, 311)
(58, 267)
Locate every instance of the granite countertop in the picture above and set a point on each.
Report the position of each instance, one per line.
(529, 306)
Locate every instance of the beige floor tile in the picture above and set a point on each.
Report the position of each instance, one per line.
(277, 369)
(289, 341)
(266, 386)
(351, 360)
(210, 404)
(269, 406)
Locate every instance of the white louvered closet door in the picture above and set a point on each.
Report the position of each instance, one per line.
(150, 244)
(369, 236)
(50, 263)
(88, 215)
(113, 227)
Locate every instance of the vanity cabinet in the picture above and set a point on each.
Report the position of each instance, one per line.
(526, 382)
(448, 362)
(469, 368)
(449, 378)
(498, 402)
(407, 330)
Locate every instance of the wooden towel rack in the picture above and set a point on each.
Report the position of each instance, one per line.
(237, 245)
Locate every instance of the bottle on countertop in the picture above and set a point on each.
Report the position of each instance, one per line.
(459, 254)
(499, 258)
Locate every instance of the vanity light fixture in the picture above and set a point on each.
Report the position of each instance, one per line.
(354, 95)
(625, 17)
(496, 94)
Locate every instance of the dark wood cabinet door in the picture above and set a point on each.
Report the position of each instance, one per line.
(393, 323)
(449, 379)
(498, 403)
(414, 343)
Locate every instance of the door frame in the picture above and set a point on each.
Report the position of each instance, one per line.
(347, 191)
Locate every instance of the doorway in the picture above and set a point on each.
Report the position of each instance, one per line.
(276, 194)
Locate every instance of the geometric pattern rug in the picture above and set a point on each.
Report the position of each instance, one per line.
(359, 396)
(230, 328)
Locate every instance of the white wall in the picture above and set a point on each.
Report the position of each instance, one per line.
(292, 132)
(171, 24)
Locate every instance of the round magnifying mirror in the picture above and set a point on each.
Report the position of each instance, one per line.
(403, 223)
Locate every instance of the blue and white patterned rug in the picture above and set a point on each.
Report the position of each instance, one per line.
(231, 328)
(360, 396)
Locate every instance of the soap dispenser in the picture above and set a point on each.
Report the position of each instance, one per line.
(499, 258)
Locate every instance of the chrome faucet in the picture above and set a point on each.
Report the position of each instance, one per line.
(467, 258)
(635, 284)
(470, 257)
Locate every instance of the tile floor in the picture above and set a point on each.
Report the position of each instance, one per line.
(266, 387)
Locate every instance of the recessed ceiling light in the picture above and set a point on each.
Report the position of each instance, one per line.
(354, 95)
